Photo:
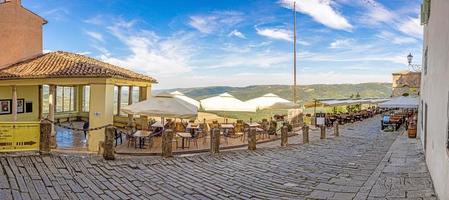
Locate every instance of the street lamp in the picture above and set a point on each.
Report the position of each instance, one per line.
(413, 67)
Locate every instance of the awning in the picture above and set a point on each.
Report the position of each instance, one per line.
(401, 102)
(226, 102)
(344, 102)
(270, 101)
(180, 95)
(163, 105)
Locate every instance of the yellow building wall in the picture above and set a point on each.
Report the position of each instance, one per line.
(29, 93)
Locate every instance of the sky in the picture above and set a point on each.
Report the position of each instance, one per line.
(239, 42)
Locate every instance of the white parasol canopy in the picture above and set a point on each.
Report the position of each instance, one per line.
(401, 102)
(163, 105)
(226, 102)
(270, 101)
(180, 95)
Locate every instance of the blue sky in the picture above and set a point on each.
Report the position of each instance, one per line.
(238, 42)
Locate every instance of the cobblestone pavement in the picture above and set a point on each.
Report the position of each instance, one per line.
(363, 163)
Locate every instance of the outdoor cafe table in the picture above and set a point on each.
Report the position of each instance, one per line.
(253, 124)
(194, 127)
(183, 136)
(141, 134)
(226, 128)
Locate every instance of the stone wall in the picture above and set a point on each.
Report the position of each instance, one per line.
(406, 82)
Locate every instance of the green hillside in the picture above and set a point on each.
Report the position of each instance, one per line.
(306, 92)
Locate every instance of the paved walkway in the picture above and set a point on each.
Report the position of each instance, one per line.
(363, 163)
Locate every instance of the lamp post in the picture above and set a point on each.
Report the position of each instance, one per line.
(413, 67)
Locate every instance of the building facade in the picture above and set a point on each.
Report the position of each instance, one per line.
(20, 32)
(406, 83)
(78, 87)
(434, 105)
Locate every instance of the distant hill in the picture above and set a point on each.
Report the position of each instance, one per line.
(306, 92)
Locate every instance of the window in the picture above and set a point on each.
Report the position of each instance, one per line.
(136, 94)
(115, 100)
(447, 120)
(124, 98)
(425, 12)
(65, 99)
(426, 108)
(425, 61)
(86, 98)
(45, 96)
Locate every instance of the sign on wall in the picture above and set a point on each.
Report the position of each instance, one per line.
(19, 136)
(5, 106)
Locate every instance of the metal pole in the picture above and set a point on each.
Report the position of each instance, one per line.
(294, 52)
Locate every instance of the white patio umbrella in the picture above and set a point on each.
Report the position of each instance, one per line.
(180, 95)
(227, 103)
(271, 101)
(163, 105)
(401, 102)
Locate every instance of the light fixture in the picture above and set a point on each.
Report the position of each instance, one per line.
(413, 67)
(409, 58)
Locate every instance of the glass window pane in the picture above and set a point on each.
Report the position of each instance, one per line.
(59, 99)
(45, 98)
(125, 97)
(86, 98)
(66, 99)
(115, 99)
(136, 93)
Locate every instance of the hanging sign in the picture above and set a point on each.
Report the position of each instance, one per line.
(19, 136)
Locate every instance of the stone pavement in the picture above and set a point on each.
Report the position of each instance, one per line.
(363, 163)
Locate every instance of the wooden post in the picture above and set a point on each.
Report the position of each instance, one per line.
(14, 103)
(130, 101)
(323, 132)
(167, 148)
(336, 130)
(284, 136)
(108, 144)
(45, 135)
(252, 139)
(119, 99)
(215, 141)
(51, 113)
(305, 134)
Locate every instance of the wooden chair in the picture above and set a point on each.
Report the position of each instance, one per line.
(130, 137)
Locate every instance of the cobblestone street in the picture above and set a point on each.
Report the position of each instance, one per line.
(363, 163)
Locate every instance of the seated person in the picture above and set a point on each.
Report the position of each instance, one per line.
(386, 119)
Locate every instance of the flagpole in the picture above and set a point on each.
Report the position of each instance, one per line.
(294, 53)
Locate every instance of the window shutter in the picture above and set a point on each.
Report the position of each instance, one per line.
(447, 120)
(425, 12)
(422, 14)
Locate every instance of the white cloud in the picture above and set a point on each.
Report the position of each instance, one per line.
(247, 79)
(321, 11)
(95, 35)
(150, 53)
(341, 43)
(253, 60)
(396, 39)
(411, 27)
(376, 13)
(276, 33)
(215, 21)
(237, 33)
(84, 52)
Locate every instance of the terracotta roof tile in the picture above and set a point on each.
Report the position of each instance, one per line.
(67, 65)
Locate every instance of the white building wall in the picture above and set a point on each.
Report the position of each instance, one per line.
(434, 93)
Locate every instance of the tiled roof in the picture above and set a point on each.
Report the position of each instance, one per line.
(67, 65)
